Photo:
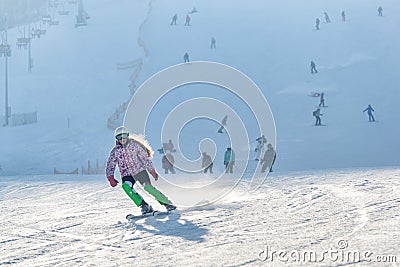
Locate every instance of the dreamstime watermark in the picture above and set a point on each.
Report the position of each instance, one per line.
(213, 109)
(340, 254)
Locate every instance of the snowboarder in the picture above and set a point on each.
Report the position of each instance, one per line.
(317, 21)
(269, 158)
(167, 162)
(369, 110)
(327, 19)
(343, 16)
(207, 163)
(313, 67)
(186, 58)
(223, 124)
(133, 155)
(380, 11)
(317, 114)
(187, 22)
(229, 160)
(174, 19)
(322, 100)
(212, 43)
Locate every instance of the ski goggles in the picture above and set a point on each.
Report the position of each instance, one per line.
(122, 136)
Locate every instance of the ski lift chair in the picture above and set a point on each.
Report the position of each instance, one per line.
(23, 42)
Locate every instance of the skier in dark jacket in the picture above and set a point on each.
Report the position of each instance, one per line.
(187, 22)
(317, 114)
(313, 67)
(380, 11)
(369, 110)
(327, 19)
(212, 43)
(133, 156)
(186, 58)
(322, 100)
(174, 19)
(317, 21)
(343, 16)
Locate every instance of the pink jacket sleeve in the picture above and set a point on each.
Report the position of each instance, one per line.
(111, 163)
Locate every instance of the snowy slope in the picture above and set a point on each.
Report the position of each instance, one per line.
(81, 222)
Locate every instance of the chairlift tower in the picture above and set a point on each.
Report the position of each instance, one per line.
(82, 15)
(30, 61)
(5, 50)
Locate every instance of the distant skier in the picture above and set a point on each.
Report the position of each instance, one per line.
(317, 21)
(313, 67)
(322, 100)
(167, 162)
(207, 163)
(174, 19)
(343, 16)
(212, 43)
(229, 160)
(317, 114)
(269, 158)
(223, 124)
(261, 141)
(369, 110)
(380, 11)
(327, 19)
(133, 156)
(187, 22)
(186, 58)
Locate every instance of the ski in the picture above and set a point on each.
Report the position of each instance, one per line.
(160, 213)
(155, 213)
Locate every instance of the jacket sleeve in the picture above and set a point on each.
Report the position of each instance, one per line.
(111, 163)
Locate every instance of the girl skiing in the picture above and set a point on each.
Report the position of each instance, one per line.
(133, 155)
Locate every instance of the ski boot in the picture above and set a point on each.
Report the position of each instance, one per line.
(170, 207)
(146, 208)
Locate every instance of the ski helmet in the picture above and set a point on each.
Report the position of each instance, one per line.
(120, 131)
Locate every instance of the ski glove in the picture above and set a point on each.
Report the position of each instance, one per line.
(154, 174)
(112, 181)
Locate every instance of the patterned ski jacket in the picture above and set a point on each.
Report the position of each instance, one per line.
(131, 159)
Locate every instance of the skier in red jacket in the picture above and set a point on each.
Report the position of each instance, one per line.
(133, 157)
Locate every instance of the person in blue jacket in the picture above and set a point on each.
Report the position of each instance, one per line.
(229, 160)
(369, 111)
